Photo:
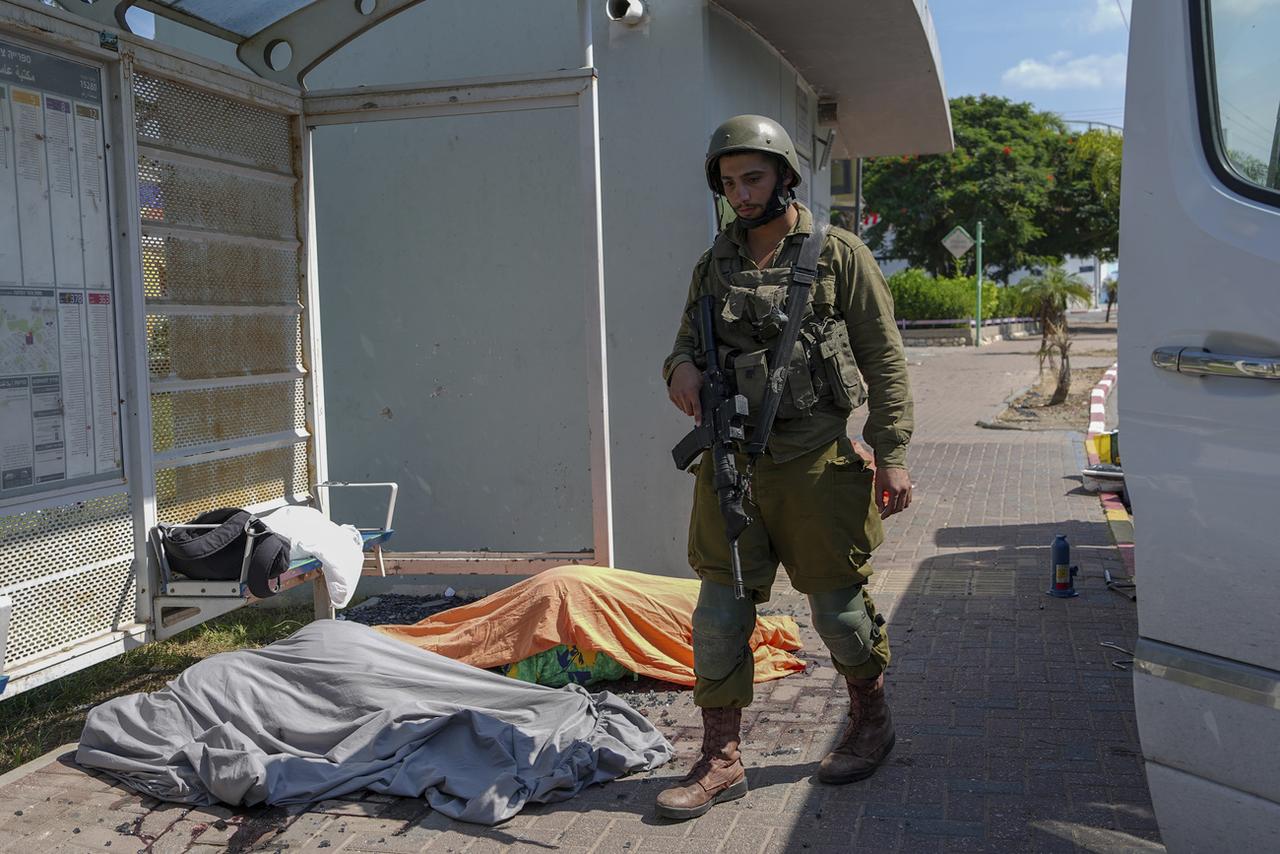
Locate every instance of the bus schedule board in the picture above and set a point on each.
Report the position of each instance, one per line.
(59, 387)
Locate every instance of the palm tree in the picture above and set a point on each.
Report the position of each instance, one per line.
(1113, 296)
(1046, 298)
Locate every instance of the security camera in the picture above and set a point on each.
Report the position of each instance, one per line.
(629, 12)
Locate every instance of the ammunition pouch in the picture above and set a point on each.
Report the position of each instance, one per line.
(847, 390)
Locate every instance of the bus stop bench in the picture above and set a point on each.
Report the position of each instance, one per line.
(301, 570)
(183, 602)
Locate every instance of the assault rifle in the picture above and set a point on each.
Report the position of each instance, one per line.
(723, 416)
(723, 412)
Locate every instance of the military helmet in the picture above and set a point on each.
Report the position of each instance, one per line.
(749, 133)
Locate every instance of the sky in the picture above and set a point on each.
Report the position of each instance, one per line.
(1064, 56)
(1248, 76)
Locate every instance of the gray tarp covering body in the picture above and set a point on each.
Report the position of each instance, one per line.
(339, 707)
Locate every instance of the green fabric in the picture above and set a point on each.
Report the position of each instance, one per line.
(723, 667)
(814, 515)
(849, 291)
(560, 665)
(735, 689)
(855, 609)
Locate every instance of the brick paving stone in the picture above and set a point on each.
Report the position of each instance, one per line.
(390, 835)
(95, 835)
(160, 819)
(490, 846)
(741, 841)
(217, 830)
(661, 845)
(455, 842)
(717, 824)
(177, 838)
(917, 843)
(749, 817)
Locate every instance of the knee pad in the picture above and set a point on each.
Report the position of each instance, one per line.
(844, 624)
(722, 627)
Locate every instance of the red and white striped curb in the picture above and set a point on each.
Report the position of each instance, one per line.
(1098, 402)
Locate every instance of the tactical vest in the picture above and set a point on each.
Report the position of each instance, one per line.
(823, 369)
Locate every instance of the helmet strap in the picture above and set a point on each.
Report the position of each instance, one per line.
(779, 200)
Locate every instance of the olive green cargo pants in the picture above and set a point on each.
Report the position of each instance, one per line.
(815, 515)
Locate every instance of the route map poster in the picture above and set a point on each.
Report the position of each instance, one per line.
(59, 388)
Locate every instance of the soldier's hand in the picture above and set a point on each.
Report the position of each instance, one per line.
(686, 380)
(893, 491)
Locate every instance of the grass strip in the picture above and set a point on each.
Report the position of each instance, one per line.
(34, 722)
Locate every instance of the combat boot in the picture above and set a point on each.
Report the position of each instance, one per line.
(718, 774)
(868, 737)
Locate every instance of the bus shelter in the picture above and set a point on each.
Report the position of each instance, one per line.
(160, 352)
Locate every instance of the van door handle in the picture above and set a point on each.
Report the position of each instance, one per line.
(1199, 362)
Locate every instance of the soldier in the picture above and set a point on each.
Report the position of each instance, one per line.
(817, 504)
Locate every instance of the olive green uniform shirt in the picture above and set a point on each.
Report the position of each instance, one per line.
(850, 279)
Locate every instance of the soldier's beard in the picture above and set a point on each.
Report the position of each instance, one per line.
(779, 199)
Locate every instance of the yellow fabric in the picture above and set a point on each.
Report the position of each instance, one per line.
(644, 621)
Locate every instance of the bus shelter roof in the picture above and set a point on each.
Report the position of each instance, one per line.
(280, 40)
(874, 63)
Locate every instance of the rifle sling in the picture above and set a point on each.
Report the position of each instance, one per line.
(803, 275)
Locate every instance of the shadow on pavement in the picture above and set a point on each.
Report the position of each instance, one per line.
(1083, 533)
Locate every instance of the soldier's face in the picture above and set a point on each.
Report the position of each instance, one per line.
(747, 180)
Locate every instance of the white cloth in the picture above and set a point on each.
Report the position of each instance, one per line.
(339, 548)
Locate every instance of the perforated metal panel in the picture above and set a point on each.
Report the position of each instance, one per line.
(188, 196)
(66, 610)
(187, 419)
(185, 491)
(65, 549)
(234, 246)
(218, 272)
(205, 346)
(188, 119)
(226, 238)
(218, 198)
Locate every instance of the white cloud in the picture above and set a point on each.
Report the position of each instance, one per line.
(1106, 14)
(1063, 72)
(1242, 7)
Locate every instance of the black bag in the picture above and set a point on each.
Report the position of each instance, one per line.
(217, 554)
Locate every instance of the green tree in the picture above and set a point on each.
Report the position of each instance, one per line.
(1015, 169)
(1112, 287)
(1046, 298)
(1249, 166)
(1082, 216)
(1101, 153)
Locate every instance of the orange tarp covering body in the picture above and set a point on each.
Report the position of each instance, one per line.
(643, 621)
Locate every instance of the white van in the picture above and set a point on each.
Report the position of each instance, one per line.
(1199, 359)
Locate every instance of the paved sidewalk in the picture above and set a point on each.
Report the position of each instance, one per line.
(1015, 731)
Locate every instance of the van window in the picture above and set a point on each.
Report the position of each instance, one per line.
(1243, 69)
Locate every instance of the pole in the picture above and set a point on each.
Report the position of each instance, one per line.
(598, 444)
(857, 196)
(977, 325)
(1273, 170)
